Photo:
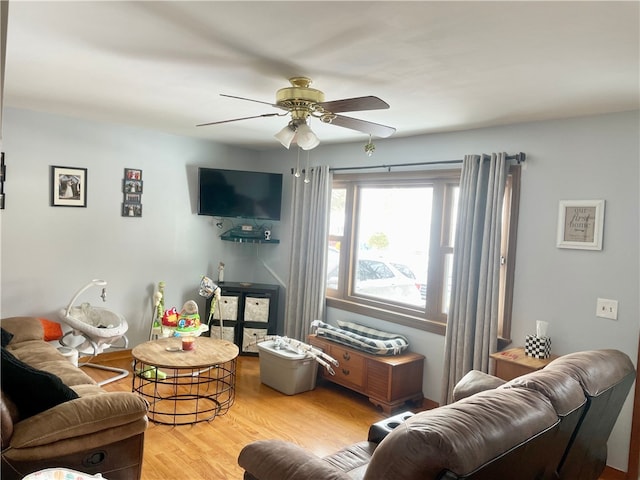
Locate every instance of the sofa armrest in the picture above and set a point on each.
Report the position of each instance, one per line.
(277, 460)
(473, 382)
(80, 417)
(23, 328)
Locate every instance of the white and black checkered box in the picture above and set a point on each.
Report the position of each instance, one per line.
(537, 347)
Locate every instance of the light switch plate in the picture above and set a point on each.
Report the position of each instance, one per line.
(606, 308)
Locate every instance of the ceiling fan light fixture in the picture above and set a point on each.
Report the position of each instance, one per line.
(286, 135)
(301, 102)
(305, 137)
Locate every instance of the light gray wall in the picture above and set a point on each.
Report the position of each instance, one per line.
(49, 252)
(585, 158)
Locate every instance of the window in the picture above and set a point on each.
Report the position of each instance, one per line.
(391, 240)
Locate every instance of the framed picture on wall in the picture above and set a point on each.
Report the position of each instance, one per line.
(131, 210)
(68, 187)
(132, 197)
(132, 174)
(580, 224)
(132, 186)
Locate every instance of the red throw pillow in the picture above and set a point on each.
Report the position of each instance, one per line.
(52, 330)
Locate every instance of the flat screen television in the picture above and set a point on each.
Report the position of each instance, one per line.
(239, 194)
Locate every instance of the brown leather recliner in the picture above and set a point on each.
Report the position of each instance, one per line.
(98, 432)
(523, 429)
(606, 377)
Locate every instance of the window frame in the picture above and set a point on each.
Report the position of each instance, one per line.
(429, 319)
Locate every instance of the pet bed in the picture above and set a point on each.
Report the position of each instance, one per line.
(360, 337)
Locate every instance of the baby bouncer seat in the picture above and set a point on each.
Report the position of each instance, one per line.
(100, 327)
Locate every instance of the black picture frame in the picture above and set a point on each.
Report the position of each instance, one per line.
(132, 174)
(131, 210)
(132, 186)
(68, 186)
(132, 198)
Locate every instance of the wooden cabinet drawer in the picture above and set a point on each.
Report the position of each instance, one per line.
(352, 366)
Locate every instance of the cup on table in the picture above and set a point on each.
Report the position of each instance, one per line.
(188, 343)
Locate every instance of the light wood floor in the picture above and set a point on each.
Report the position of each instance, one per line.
(322, 420)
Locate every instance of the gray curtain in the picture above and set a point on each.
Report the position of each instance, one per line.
(472, 325)
(307, 273)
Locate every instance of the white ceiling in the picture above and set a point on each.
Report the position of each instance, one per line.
(441, 66)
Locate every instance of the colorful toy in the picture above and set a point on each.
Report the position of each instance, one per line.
(151, 372)
(170, 317)
(189, 319)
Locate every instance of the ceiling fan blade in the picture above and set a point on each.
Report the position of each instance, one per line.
(374, 129)
(250, 100)
(355, 104)
(243, 118)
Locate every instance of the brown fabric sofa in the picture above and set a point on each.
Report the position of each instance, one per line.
(97, 432)
(549, 424)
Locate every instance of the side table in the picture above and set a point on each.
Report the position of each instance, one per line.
(514, 362)
(185, 387)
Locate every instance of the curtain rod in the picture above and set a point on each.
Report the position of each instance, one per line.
(518, 157)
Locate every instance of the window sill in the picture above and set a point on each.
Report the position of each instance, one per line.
(411, 321)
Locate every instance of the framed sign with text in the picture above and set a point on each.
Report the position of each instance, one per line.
(580, 224)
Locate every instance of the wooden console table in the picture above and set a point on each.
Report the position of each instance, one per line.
(388, 381)
(514, 362)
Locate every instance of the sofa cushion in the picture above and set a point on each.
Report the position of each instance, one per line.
(32, 390)
(35, 352)
(23, 328)
(110, 415)
(44, 356)
(564, 392)
(463, 436)
(353, 458)
(596, 370)
(278, 460)
(473, 382)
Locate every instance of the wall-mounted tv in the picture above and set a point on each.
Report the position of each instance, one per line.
(239, 194)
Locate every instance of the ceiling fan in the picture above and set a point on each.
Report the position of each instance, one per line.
(302, 102)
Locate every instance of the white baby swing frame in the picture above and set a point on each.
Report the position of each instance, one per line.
(97, 336)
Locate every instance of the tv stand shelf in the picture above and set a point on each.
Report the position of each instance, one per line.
(228, 237)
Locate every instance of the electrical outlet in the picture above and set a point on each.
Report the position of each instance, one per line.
(606, 308)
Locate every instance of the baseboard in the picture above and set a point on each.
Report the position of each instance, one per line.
(115, 355)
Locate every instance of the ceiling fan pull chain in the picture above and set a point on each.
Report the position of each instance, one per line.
(306, 172)
(297, 174)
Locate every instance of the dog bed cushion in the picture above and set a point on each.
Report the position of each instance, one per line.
(361, 337)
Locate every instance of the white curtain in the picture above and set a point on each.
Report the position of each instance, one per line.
(307, 274)
(472, 325)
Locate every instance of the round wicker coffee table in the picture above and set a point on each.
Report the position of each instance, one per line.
(185, 386)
